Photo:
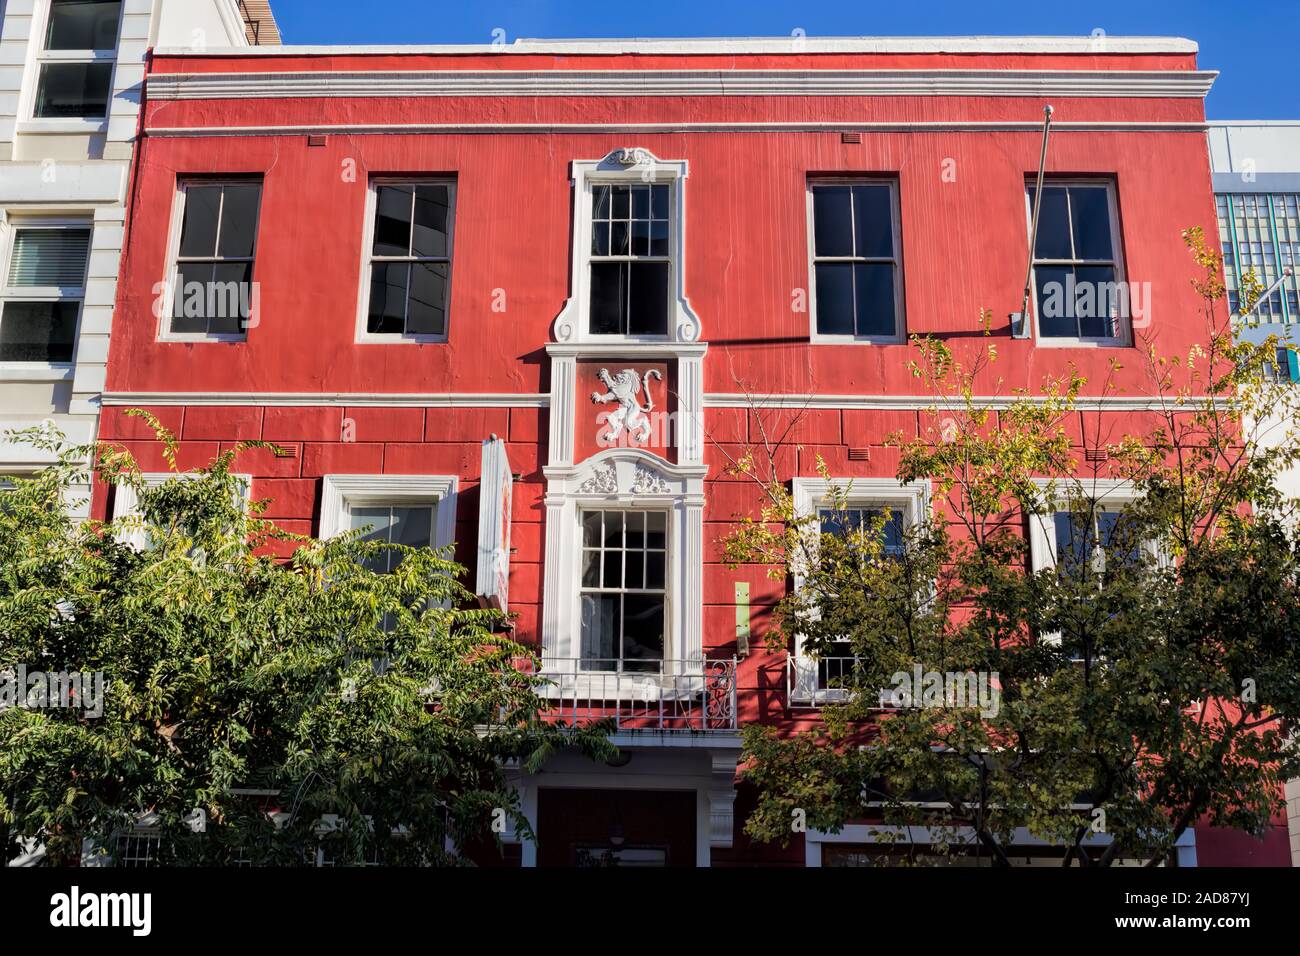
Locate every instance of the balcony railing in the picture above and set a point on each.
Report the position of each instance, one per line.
(814, 682)
(655, 696)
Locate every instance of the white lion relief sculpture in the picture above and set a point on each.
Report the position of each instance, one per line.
(630, 415)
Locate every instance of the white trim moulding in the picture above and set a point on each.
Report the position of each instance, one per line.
(432, 400)
(778, 82)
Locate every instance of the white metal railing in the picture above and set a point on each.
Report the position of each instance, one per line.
(814, 681)
(649, 695)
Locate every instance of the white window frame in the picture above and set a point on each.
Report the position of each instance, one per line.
(1054, 498)
(9, 227)
(340, 493)
(624, 479)
(364, 335)
(1125, 337)
(910, 499)
(41, 57)
(627, 166)
(900, 319)
(622, 590)
(170, 289)
(126, 503)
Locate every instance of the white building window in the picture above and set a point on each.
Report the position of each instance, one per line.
(75, 63)
(623, 589)
(407, 272)
(213, 295)
(1086, 534)
(418, 510)
(44, 285)
(1079, 292)
(126, 503)
(857, 274)
(850, 506)
(628, 277)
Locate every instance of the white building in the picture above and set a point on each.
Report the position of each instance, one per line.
(1256, 166)
(70, 84)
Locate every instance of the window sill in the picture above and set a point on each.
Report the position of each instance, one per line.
(820, 339)
(37, 371)
(53, 125)
(181, 338)
(394, 338)
(1062, 342)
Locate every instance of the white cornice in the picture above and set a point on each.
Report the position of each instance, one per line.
(1110, 403)
(387, 400)
(460, 83)
(677, 46)
(580, 129)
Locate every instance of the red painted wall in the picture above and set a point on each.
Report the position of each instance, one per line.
(747, 245)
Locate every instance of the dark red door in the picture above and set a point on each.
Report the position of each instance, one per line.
(621, 828)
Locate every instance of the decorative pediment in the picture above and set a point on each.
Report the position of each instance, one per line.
(627, 474)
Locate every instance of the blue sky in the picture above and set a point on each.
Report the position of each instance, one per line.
(1254, 44)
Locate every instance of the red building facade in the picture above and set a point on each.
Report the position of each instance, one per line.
(534, 299)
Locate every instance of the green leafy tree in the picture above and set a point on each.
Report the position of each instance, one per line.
(1146, 682)
(296, 703)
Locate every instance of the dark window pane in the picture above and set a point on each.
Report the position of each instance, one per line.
(635, 529)
(591, 529)
(600, 239)
(874, 293)
(648, 299)
(1090, 216)
(643, 631)
(1073, 543)
(608, 297)
(432, 209)
(74, 90)
(600, 629)
(230, 297)
(614, 529)
(835, 298)
(654, 569)
(640, 202)
(393, 221)
(873, 222)
(641, 237)
(1053, 224)
(83, 25)
(190, 297)
(620, 201)
(427, 313)
(634, 573)
(613, 574)
(413, 527)
(387, 297)
(239, 221)
(49, 258)
(832, 221)
(199, 229)
(659, 237)
(619, 242)
(656, 523)
(1055, 301)
(600, 202)
(1096, 299)
(659, 202)
(591, 569)
(38, 331)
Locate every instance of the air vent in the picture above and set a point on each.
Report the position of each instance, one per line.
(286, 451)
(860, 454)
(317, 139)
(1096, 454)
(850, 137)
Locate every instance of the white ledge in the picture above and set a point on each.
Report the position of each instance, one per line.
(667, 46)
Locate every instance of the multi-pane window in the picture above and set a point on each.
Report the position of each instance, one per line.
(623, 590)
(631, 259)
(845, 523)
(410, 525)
(1076, 264)
(1260, 233)
(213, 291)
(75, 69)
(856, 259)
(44, 284)
(410, 259)
(1078, 535)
